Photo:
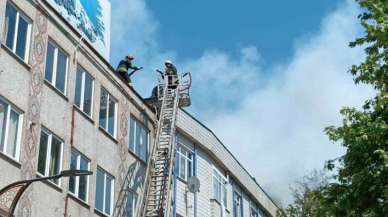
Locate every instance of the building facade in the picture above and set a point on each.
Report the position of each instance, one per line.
(62, 107)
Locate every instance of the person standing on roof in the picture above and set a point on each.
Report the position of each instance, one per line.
(124, 65)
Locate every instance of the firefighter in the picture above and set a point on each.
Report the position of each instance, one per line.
(172, 74)
(124, 65)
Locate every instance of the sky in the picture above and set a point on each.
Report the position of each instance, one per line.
(268, 76)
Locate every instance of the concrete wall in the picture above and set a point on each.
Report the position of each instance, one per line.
(56, 112)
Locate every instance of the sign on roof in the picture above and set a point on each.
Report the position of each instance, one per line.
(91, 18)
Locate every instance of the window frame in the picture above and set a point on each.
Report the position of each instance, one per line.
(134, 204)
(239, 212)
(134, 145)
(254, 210)
(80, 69)
(10, 107)
(28, 20)
(48, 156)
(106, 174)
(54, 69)
(179, 155)
(76, 181)
(222, 180)
(115, 119)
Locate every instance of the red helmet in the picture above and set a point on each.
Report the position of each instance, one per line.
(130, 57)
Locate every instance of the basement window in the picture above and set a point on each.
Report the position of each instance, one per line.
(50, 155)
(56, 67)
(79, 185)
(104, 191)
(10, 129)
(108, 112)
(84, 91)
(18, 32)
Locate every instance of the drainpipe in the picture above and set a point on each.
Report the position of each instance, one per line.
(71, 145)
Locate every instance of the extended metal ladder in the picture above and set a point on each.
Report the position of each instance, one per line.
(155, 200)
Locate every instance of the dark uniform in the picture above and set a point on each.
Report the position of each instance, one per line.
(122, 69)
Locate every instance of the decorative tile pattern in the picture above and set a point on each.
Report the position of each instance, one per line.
(32, 123)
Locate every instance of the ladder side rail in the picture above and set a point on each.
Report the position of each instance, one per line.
(172, 153)
(141, 203)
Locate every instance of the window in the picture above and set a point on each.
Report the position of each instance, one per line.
(254, 211)
(108, 112)
(79, 185)
(10, 130)
(104, 191)
(56, 67)
(184, 162)
(220, 192)
(18, 32)
(138, 138)
(237, 204)
(50, 155)
(84, 91)
(131, 204)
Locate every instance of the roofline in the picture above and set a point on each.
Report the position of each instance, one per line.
(204, 126)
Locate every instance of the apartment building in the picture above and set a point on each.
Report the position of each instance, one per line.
(62, 107)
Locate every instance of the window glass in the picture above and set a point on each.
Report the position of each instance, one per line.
(42, 153)
(108, 194)
(3, 113)
(88, 96)
(55, 157)
(83, 180)
(144, 144)
(18, 46)
(78, 86)
(103, 108)
(100, 180)
(22, 37)
(11, 21)
(111, 115)
(73, 166)
(60, 82)
(48, 75)
(138, 138)
(12, 133)
(50, 155)
(132, 134)
(131, 204)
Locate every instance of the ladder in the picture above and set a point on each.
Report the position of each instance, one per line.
(155, 200)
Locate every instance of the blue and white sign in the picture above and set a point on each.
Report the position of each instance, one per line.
(91, 18)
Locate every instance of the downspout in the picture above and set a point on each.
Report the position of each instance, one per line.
(195, 174)
(72, 127)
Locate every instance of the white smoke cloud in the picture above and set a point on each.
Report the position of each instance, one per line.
(272, 120)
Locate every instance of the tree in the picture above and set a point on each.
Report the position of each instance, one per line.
(307, 196)
(361, 186)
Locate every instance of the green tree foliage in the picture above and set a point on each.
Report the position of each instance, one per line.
(307, 196)
(361, 187)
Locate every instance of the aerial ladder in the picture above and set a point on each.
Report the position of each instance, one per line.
(156, 197)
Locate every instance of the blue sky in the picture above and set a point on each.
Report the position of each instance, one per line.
(269, 76)
(192, 26)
